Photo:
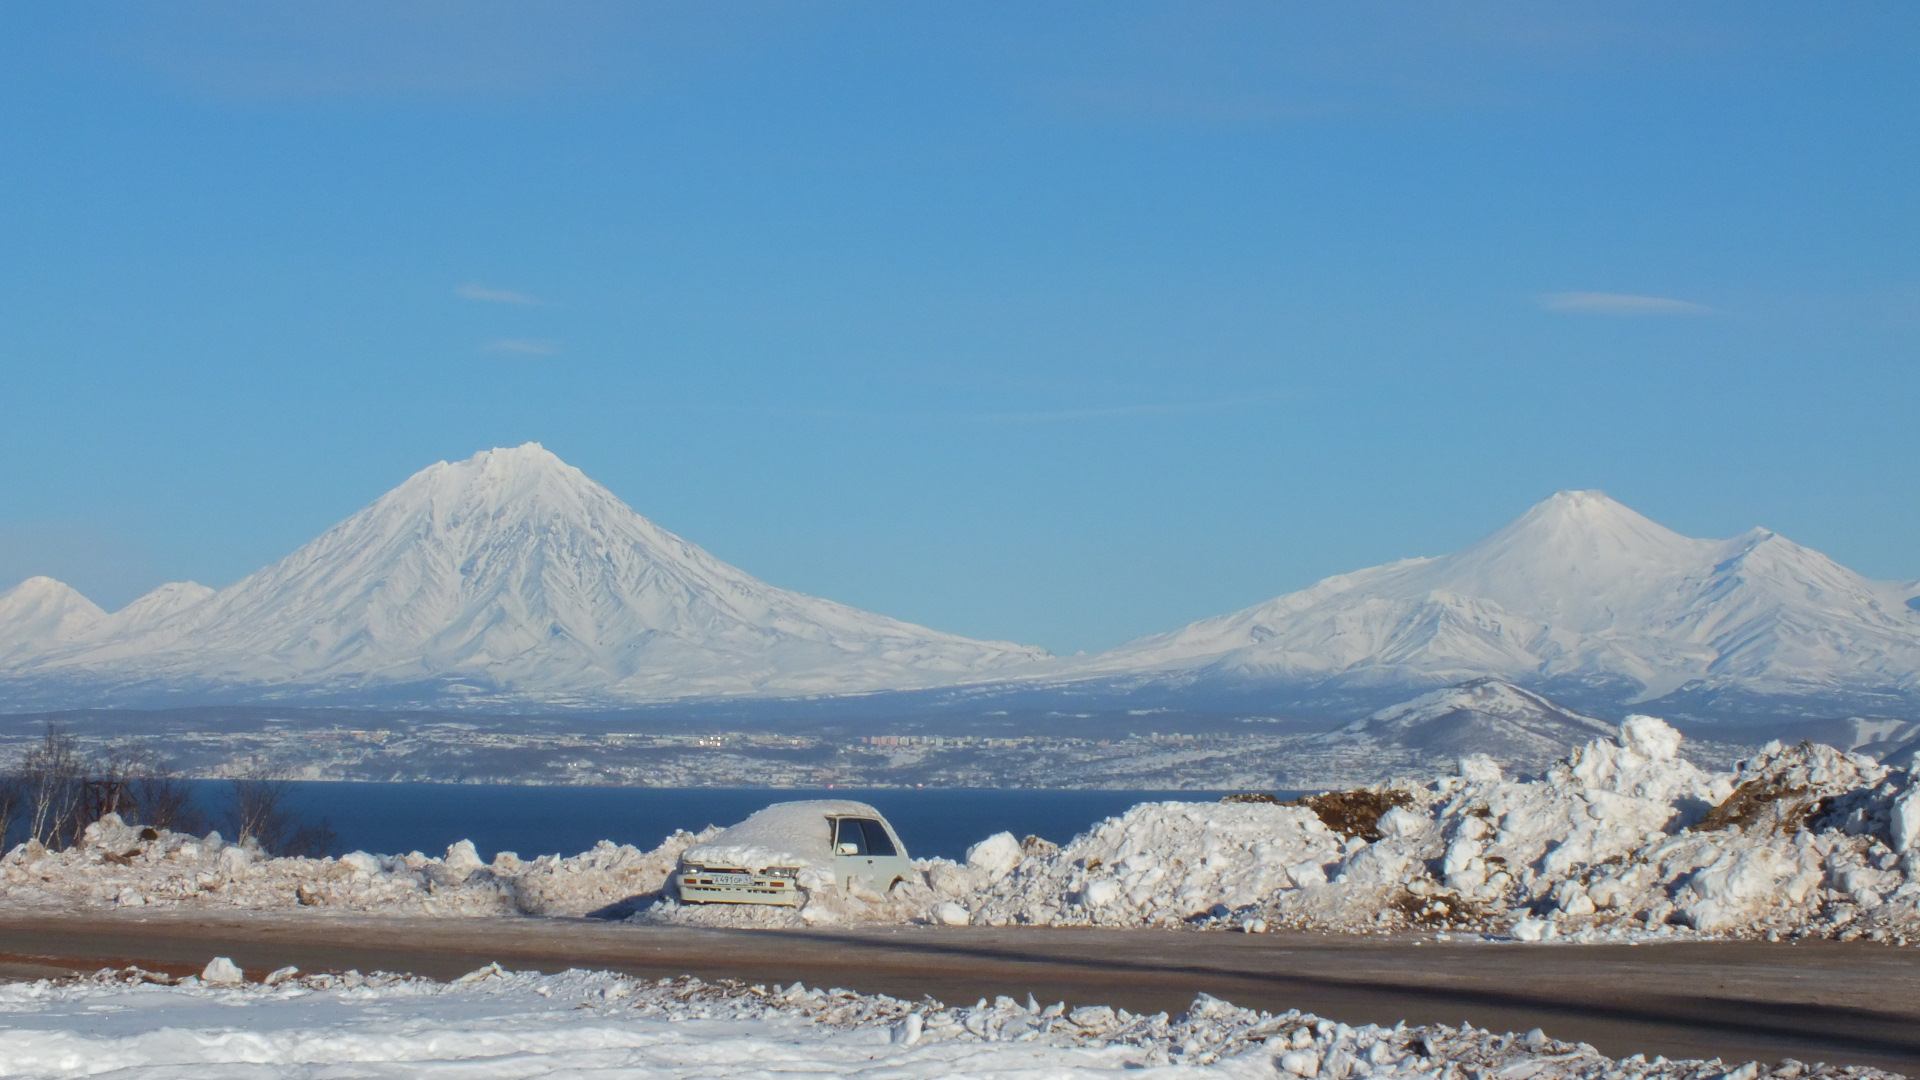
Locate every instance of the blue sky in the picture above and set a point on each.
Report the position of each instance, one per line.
(1061, 323)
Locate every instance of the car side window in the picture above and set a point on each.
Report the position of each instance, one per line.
(878, 842)
(848, 831)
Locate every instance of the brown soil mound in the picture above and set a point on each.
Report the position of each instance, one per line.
(1354, 813)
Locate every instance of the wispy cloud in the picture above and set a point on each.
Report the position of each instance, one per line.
(524, 346)
(1606, 303)
(1110, 412)
(996, 417)
(486, 295)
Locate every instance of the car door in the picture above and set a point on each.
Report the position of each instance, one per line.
(850, 859)
(864, 849)
(894, 864)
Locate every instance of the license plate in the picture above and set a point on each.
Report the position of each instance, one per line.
(728, 879)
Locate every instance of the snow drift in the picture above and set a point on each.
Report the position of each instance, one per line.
(118, 865)
(1622, 838)
(590, 1024)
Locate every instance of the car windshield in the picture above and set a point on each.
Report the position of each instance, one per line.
(867, 836)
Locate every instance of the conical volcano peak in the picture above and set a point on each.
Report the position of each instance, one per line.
(514, 468)
(511, 574)
(528, 457)
(502, 485)
(1589, 505)
(1589, 513)
(1582, 533)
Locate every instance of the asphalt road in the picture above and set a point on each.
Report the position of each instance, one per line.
(1845, 1003)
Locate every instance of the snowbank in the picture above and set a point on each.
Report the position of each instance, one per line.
(1620, 840)
(581, 1024)
(1623, 838)
(116, 865)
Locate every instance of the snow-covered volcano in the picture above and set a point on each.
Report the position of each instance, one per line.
(1579, 591)
(512, 577)
(510, 573)
(40, 611)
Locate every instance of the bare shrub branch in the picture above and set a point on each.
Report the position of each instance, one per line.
(258, 813)
(54, 776)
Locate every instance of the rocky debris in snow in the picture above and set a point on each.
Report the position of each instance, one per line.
(909, 1034)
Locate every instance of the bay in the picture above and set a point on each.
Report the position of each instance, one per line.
(396, 818)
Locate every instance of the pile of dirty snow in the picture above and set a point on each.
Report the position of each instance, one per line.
(1621, 839)
(583, 1024)
(118, 865)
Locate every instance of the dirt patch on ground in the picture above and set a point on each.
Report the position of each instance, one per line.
(1354, 813)
(1446, 910)
(1765, 803)
(1251, 797)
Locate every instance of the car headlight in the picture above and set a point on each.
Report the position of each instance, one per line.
(787, 872)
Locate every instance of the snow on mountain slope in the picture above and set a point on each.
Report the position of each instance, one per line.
(39, 614)
(1579, 587)
(512, 572)
(1485, 716)
(150, 612)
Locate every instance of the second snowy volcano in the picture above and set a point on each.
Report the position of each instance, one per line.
(513, 574)
(1579, 596)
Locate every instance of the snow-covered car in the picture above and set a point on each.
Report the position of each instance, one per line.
(770, 857)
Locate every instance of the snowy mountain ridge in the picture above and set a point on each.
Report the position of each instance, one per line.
(510, 572)
(1579, 589)
(511, 578)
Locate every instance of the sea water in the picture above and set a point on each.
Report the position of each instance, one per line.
(531, 821)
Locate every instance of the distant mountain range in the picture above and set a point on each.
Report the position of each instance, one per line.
(1580, 597)
(511, 580)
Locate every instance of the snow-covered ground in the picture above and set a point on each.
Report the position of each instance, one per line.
(1622, 839)
(509, 1026)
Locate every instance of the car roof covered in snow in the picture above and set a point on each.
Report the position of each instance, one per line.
(785, 834)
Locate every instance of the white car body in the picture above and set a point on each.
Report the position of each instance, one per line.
(770, 857)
